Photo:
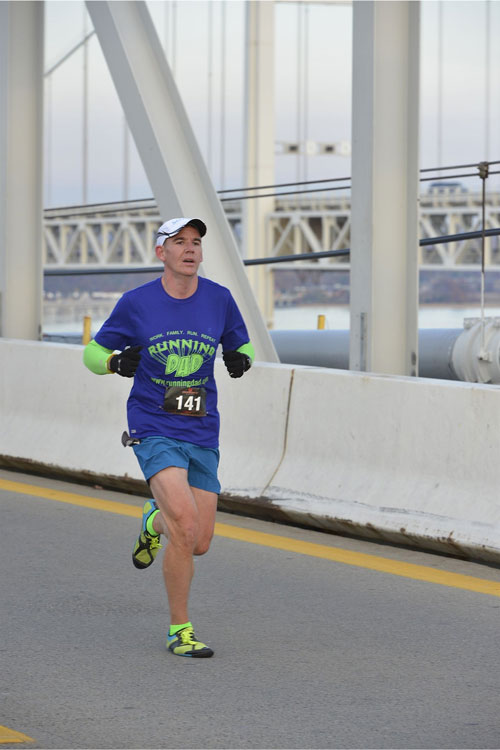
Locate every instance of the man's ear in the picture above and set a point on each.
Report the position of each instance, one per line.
(159, 250)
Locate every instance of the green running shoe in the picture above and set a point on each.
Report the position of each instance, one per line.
(147, 545)
(184, 643)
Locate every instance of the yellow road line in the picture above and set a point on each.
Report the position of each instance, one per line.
(363, 560)
(9, 736)
(334, 554)
(122, 509)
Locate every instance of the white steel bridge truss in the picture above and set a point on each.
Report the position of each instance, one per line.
(124, 234)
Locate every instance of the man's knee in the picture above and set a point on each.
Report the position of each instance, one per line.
(202, 544)
(201, 548)
(183, 534)
(187, 535)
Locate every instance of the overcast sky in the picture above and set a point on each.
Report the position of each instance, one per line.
(210, 78)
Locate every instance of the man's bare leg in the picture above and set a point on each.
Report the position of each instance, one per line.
(187, 519)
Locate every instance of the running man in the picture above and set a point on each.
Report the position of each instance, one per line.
(165, 335)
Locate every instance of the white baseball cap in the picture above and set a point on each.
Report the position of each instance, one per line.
(173, 226)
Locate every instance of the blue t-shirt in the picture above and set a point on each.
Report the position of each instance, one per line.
(179, 339)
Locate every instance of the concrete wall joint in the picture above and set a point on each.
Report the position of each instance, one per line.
(285, 436)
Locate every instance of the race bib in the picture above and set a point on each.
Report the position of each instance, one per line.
(189, 402)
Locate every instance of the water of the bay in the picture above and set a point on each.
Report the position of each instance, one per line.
(337, 317)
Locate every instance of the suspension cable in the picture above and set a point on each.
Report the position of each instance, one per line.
(287, 184)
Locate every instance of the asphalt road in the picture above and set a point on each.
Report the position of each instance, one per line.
(309, 652)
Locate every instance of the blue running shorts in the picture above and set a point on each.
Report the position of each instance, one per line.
(157, 453)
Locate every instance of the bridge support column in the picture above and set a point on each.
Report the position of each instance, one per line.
(168, 149)
(385, 187)
(259, 123)
(21, 181)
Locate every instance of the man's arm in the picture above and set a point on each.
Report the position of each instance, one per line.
(95, 358)
(102, 361)
(248, 350)
(240, 360)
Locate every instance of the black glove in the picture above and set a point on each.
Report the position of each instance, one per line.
(127, 362)
(236, 362)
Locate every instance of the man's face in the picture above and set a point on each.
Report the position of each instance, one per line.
(182, 253)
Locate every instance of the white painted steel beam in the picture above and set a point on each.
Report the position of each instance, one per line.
(385, 190)
(21, 182)
(259, 145)
(168, 148)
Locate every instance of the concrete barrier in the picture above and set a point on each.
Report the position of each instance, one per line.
(56, 413)
(399, 459)
(254, 413)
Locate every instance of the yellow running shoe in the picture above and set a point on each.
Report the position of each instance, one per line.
(147, 545)
(184, 643)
